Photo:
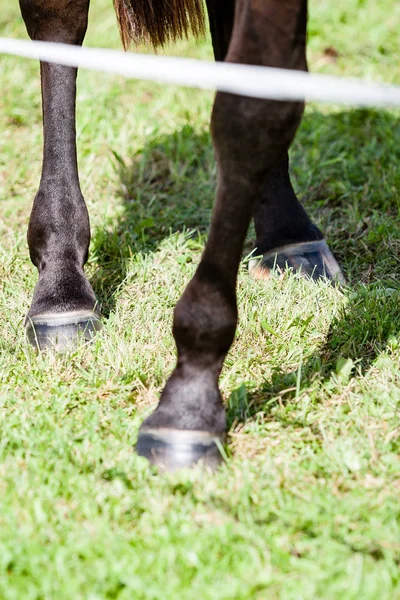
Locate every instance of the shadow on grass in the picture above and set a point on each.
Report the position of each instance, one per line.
(344, 167)
(345, 171)
(167, 187)
(367, 327)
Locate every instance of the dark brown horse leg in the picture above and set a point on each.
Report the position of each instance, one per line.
(248, 134)
(285, 233)
(64, 304)
(286, 237)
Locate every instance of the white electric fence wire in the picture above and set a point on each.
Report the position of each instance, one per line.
(244, 80)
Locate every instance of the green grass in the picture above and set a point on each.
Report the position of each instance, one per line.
(307, 505)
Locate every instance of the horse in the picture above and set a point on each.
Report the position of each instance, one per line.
(251, 138)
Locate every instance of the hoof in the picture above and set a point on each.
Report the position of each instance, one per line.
(60, 331)
(173, 449)
(311, 259)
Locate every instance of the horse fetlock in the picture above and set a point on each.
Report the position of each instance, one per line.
(205, 319)
(59, 227)
(192, 401)
(62, 287)
(204, 327)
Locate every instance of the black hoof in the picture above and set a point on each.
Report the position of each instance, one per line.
(173, 449)
(312, 259)
(59, 331)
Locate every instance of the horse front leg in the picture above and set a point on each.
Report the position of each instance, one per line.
(64, 304)
(285, 234)
(249, 136)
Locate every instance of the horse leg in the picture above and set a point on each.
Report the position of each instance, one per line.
(248, 134)
(285, 234)
(64, 304)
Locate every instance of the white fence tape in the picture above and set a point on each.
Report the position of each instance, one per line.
(245, 80)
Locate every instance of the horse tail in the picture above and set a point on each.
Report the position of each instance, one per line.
(158, 22)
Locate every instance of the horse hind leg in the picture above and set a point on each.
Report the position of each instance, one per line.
(248, 134)
(285, 234)
(64, 304)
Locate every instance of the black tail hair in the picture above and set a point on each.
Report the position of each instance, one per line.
(158, 22)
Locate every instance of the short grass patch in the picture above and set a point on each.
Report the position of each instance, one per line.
(307, 505)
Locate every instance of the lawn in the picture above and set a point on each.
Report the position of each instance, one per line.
(308, 503)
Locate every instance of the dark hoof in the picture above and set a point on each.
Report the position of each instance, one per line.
(312, 259)
(172, 449)
(59, 331)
